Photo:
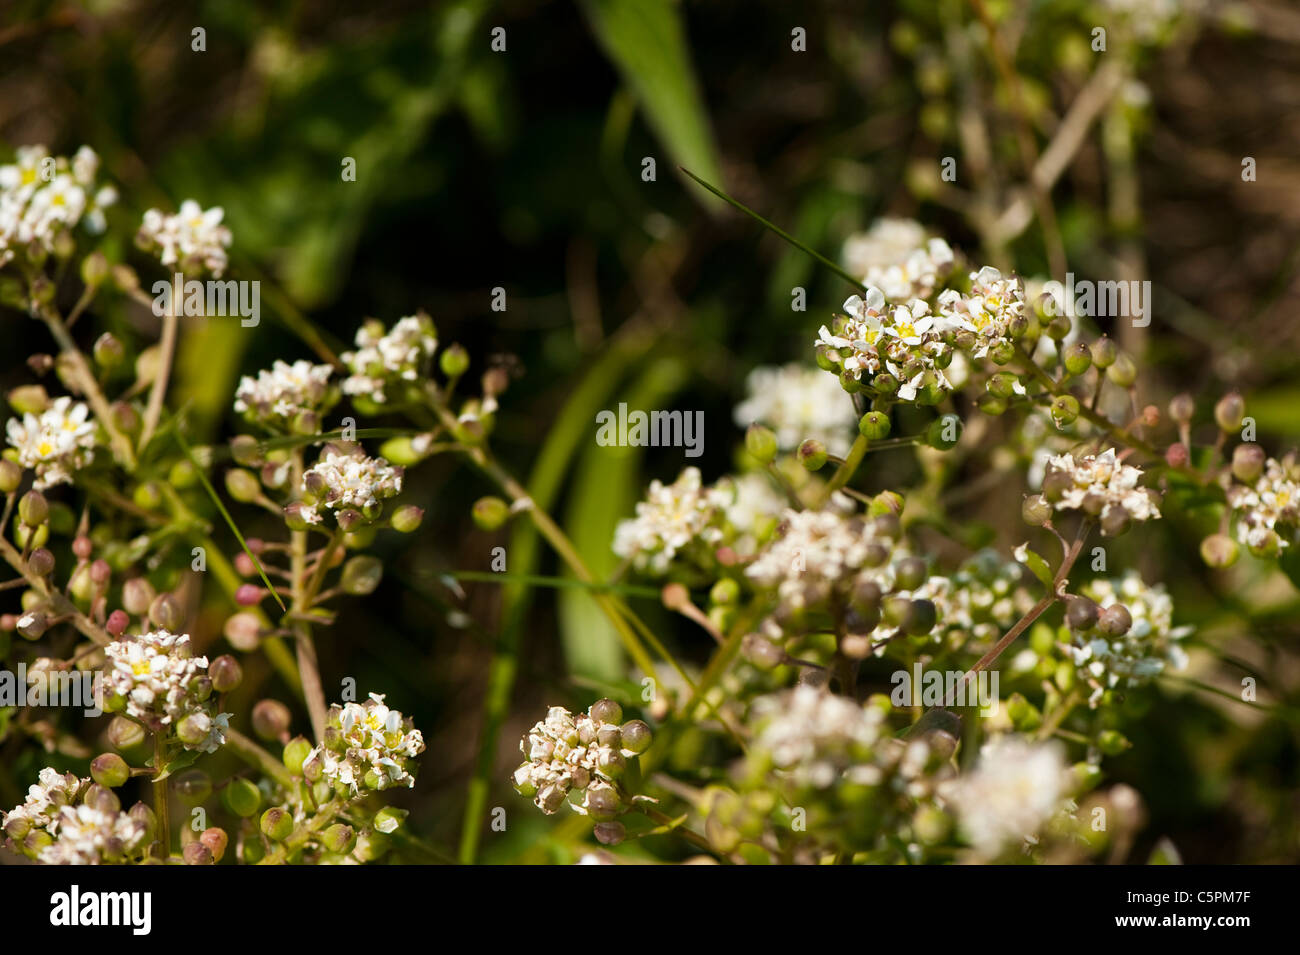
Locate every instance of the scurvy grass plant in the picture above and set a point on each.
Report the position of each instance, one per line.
(803, 581)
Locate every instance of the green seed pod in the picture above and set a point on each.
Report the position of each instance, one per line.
(812, 454)
(922, 616)
(1112, 742)
(490, 513)
(1229, 412)
(1077, 358)
(295, 754)
(1124, 372)
(1080, 613)
(1219, 550)
(636, 736)
(606, 711)
(1104, 352)
(760, 442)
(361, 575)
(110, 770)
(33, 509)
(276, 824)
(11, 475)
(243, 485)
(407, 519)
(1035, 510)
(1002, 352)
(193, 786)
(1065, 410)
(1247, 462)
(454, 361)
(339, 838)
(874, 426)
(910, 573)
(1115, 620)
(1003, 384)
(124, 734)
(271, 719)
(991, 404)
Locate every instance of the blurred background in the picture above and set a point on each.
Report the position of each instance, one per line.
(521, 169)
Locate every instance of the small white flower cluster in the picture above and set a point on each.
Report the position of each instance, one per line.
(89, 835)
(1274, 498)
(817, 738)
(54, 443)
(799, 402)
(384, 358)
(348, 481)
(1098, 484)
(163, 685)
(277, 395)
(818, 551)
(1147, 649)
(904, 341)
(670, 518)
(43, 196)
(52, 791)
(895, 256)
(754, 512)
(1015, 788)
(193, 240)
(53, 828)
(366, 744)
(577, 758)
(993, 304)
(983, 598)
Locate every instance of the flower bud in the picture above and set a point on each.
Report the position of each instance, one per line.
(242, 797)
(293, 517)
(192, 786)
(109, 769)
(108, 351)
(1112, 742)
(276, 824)
(165, 612)
(243, 485)
(1080, 613)
(1229, 411)
(33, 624)
(1065, 410)
(28, 399)
(991, 404)
(216, 841)
(1267, 546)
(271, 719)
(1058, 328)
(94, 269)
(339, 838)
(1181, 408)
(137, 596)
(407, 519)
(1001, 352)
(490, 513)
(295, 754)
(454, 361)
(41, 562)
(124, 734)
(760, 442)
(874, 426)
(606, 711)
(1219, 550)
(1035, 510)
(636, 736)
(11, 475)
(812, 454)
(1123, 372)
(361, 575)
(1114, 620)
(243, 630)
(33, 509)
(761, 651)
(196, 853)
(225, 673)
(1078, 358)
(1176, 455)
(193, 730)
(1104, 352)
(1247, 462)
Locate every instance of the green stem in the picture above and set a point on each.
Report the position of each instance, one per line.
(160, 799)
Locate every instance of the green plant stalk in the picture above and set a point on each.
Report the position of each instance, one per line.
(308, 664)
(160, 798)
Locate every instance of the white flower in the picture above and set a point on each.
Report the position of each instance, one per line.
(54, 443)
(44, 196)
(45, 798)
(384, 358)
(366, 738)
(276, 396)
(87, 835)
(670, 518)
(338, 481)
(1150, 646)
(163, 684)
(194, 240)
(1273, 498)
(575, 758)
(815, 736)
(799, 402)
(755, 509)
(1014, 789)
(993, 304)
(895, 256)
(1098, 484)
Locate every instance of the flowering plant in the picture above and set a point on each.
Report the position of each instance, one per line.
(815, 648)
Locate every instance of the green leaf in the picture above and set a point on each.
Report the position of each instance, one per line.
(647, 43)
(184, 760)
(606, 486)
(1037, 566)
